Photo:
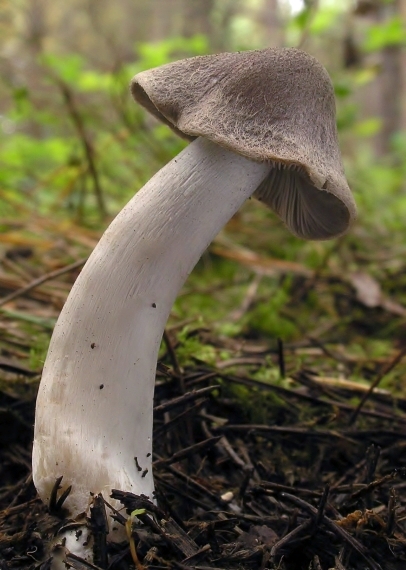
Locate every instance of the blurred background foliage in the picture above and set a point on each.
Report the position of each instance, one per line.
(75, 147)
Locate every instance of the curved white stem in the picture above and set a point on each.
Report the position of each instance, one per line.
(94, 407)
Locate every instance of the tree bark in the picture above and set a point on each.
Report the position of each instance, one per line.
(270, 23)
(36, 25)
(383, 97)
(402, 69)
(197, 17)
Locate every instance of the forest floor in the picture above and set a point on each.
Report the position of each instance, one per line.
(306, 472)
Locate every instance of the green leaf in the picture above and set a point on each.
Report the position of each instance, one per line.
(325, 19)
(342, 89)
(389, 33)
(67, 67)
(156, 54)
(17, 315)
(368, 127)
(89, 81)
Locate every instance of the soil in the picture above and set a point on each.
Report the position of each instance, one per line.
(302, 471)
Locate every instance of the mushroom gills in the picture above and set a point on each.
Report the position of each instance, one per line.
(308, 212)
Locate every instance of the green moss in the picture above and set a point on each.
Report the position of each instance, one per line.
(266, 317)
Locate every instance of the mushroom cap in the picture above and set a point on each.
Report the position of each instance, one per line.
(274, 105)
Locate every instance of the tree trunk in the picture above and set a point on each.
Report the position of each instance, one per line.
(166, 19)
(402, 70)
(36, 26)
(391, 84)
(197, 17)
(269, 20)
(384, 96)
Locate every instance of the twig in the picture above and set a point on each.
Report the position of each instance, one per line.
(188, 451)
(390, 524)
(293, 534)
(181, 400)
(388, 368)
(332, 525)
(171, 352)
(99, 529)
(371, 487)
(23, 488)
(231, 453)
(171, 424)
(250, 293)
(322, 506)
(281, 359)
(40, 280)
(87, 147)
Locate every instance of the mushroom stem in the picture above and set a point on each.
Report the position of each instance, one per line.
(95, 402)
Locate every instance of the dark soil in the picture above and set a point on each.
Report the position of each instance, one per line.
(285, 474)
(304, 489)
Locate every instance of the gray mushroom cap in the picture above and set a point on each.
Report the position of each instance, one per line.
(275, 105)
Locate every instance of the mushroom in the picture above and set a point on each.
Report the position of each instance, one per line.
(264, 124)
